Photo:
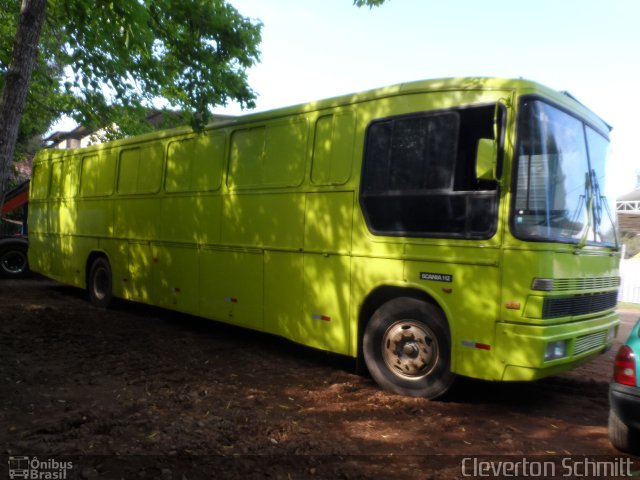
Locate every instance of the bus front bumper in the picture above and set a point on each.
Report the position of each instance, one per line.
(530, 352)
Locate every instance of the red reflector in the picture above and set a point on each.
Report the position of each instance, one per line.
(480, 346)
(624, 371)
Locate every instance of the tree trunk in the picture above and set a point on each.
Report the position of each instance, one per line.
(16, 85)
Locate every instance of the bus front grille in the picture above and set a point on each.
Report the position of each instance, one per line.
(590, 283)
(589, 342)
(579, 304)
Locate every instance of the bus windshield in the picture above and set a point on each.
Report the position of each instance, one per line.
(560, 183)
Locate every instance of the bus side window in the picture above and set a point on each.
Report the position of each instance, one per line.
(98, 174)
(332, 149)
(56, 180)
(71, 177)
(195, 164)
(270, 156)
(140, 169)
(40, 180)
(64, 178)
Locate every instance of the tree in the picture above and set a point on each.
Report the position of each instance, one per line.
(104, 60)
(16, 83)
(42, 104)
(368, 3)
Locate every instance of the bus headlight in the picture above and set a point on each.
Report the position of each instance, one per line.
(542, 284)
(555, 350)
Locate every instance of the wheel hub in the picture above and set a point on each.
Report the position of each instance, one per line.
(409, 349)
(101, 280)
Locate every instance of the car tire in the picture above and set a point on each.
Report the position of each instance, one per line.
(13, 261)
(407, 348)
(99, 283)
(622, 437)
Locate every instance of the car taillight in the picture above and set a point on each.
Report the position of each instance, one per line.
(625, 367)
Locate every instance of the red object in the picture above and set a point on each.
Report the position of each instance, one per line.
(624, 371)
(16, 202)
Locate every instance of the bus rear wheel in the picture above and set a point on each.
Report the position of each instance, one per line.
(407, 348)
(99, 283)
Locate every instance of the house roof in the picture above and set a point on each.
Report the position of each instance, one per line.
(154, 117)
(77, 133)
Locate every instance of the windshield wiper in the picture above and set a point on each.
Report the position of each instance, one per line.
(595, 201)
(588, 195)
(601, 200)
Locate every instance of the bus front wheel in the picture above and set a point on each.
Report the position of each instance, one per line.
(407, 348)
(99, 283)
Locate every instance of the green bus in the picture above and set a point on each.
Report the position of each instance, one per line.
(430, 230)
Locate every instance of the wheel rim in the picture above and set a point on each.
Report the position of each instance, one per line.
(410, 349)
(100, 283)
(14, 262)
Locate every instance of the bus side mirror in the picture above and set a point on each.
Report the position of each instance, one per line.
(486, 159)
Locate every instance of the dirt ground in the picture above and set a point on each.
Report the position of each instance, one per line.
(140, 392)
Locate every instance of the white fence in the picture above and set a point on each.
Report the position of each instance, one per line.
(630, 285)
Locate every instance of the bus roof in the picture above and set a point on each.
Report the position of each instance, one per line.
(521, 86)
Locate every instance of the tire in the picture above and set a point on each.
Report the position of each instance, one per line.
(13, 261)
(99, 283)
(407, 348)
(622, 437)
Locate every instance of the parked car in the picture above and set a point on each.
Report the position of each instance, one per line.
(13, 257)
(13, 232)
(624, 396)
